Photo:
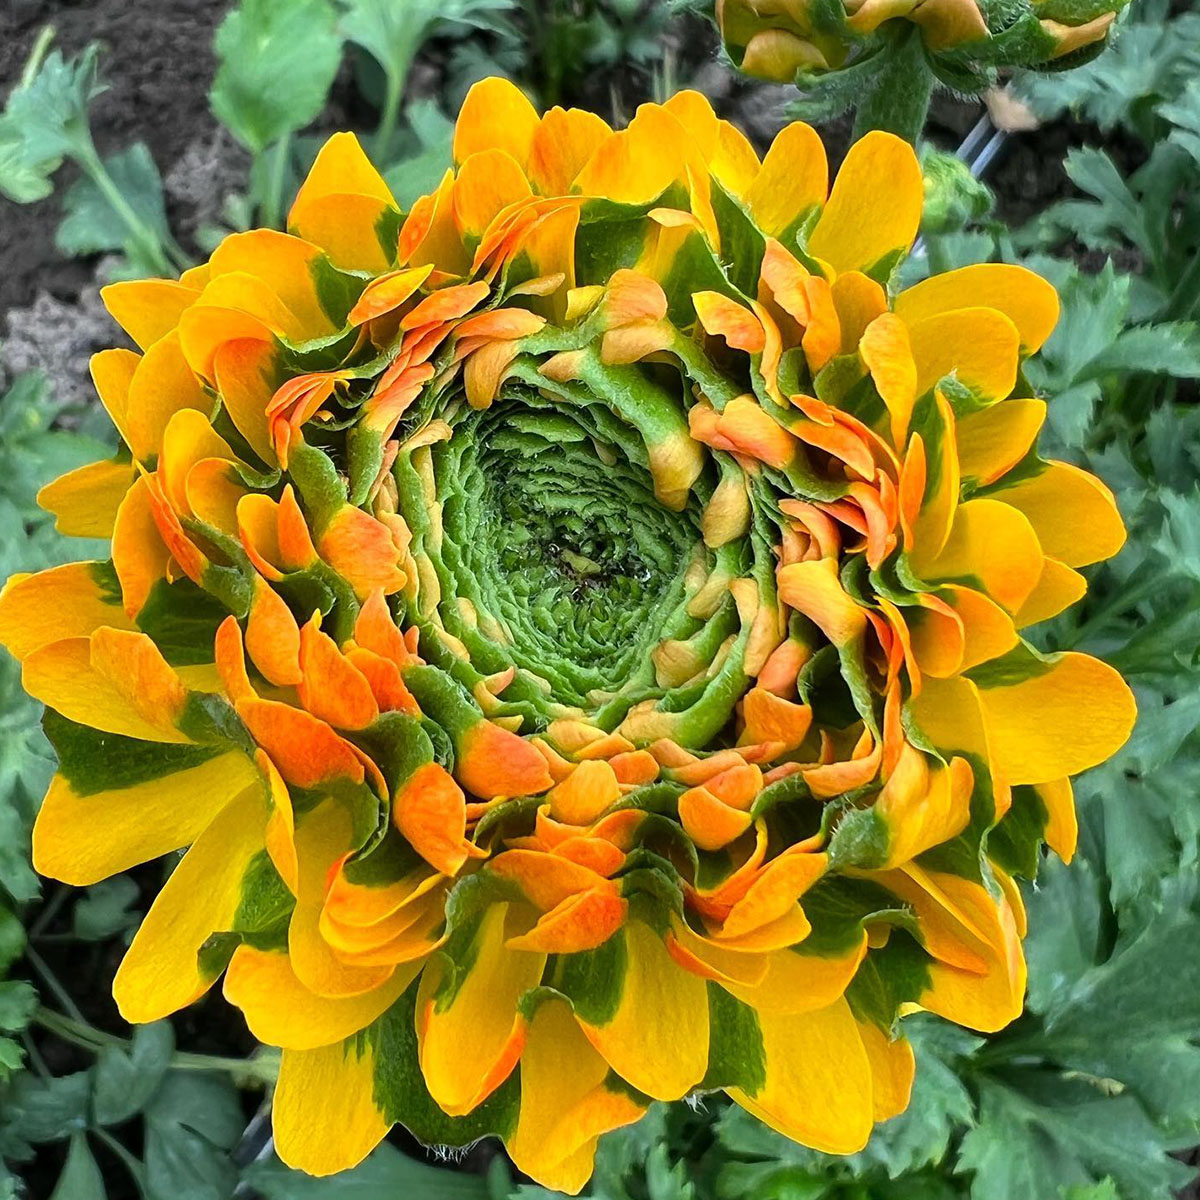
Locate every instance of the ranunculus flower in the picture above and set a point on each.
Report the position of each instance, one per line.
(575, 628)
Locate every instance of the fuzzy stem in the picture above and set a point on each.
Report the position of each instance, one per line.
(898, 99)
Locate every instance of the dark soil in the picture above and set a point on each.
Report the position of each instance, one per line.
(158, 64)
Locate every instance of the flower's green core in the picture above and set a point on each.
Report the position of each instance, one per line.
(564, 541)
(551, 530)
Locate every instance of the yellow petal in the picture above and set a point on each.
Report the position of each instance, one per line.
(978, 346)
(1075, 37)
(83, 838)
(988, 631)
(694, 112)
(1062, 822)
(341, 168)
(796, 982)
(637, 164)
(140, 557)
(858, 300)
(1058, 587)
(817, 1088)
(287, 263)
(992, 546)
(958, 914)
(948, 23)
(892, 1069)
(993, 440)
(339, 206)
(794, 177)
(814, 589)
(875, 206)
(496, 115)
(1073, 513)
(147, 308)
(162, 385)
(64, 602)
(324, 1115)
(658, 1038)
(246, 379)
(112, 372)
(281, 1011)
(734, 163)
(323, 836)
(470, 1046)
(1072, 716)
(488, 181)
(160, 972)
(85, 501)
(1028, 301)
(887, 354)
(565, 1104)
(114, 680)
(564, 140)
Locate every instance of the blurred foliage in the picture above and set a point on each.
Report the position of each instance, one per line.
(1092, 1094)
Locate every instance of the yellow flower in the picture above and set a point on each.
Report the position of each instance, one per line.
(575, 629)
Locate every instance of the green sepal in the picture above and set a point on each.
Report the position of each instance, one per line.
(401, 1095)
(1015, 844)
(736, 1055)
(593, 980)
(182, 620)
(93, 761)
(890, 977)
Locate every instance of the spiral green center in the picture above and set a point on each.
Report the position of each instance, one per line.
(554, 536)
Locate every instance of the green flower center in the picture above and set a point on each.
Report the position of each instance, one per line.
(550, 531)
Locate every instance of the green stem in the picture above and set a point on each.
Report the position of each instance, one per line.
(36, 55)
(49, 911)
(77, 1031)
(1185, 297)
(260, 1069)
(389, 114)
(93, 166)
(272, 207)
(898, 99)
(131, 1164)
(48, 977)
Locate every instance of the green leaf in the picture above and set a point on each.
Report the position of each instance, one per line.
(12, 939)
(1038, 1132)
(22, 180)
(18, 1003)
(192, 1122)
(277, 62)
(427, 156)
(50, 113)
(125, 1080)
(106, 909)
(393, 33)
(386, 1173)
(46, 1110)
(1172, 348)
(94, 222)
(80, 1178)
